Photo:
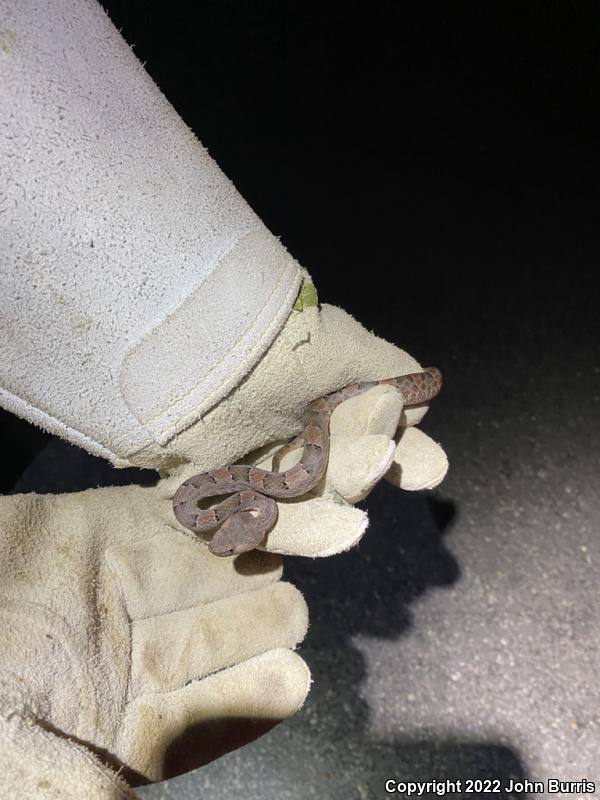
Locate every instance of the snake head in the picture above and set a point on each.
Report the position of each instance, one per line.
(246, 528)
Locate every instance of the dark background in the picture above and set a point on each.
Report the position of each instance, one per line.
(435, 167)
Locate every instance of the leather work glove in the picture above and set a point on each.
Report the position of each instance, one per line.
(183, 350)
(127, 648)
(318, 351)
(109, 601)
(123, 641)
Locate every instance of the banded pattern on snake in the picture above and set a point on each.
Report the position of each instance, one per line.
(242, 520)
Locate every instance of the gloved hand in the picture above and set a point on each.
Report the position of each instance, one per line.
(124, 643)
(318, 351)
(175, 350)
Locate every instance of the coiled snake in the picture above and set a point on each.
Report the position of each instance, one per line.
(242, 520)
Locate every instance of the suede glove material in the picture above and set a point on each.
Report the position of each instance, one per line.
(125, 645)
(318, 351)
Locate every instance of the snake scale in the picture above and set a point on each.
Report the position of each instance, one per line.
(242, 520)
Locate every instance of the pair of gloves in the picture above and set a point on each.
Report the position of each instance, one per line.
(128, 652)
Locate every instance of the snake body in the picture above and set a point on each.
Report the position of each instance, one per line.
(242, 520)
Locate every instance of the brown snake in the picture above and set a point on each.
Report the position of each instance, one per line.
(243, 519)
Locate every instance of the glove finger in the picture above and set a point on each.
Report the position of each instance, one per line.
(166, 734)
(357, 463)
(171, 571)
(418, 463)
(375, 411)
(170, 650)
(361, 447)
(315, 527)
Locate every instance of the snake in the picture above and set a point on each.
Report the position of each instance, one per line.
(242, 520)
